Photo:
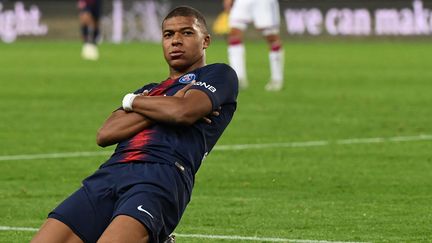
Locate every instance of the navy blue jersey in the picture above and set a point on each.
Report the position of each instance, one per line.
(184, 145)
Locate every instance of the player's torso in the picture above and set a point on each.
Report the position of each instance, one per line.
(165, 143)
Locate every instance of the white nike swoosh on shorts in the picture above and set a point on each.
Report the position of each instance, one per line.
(140, 208)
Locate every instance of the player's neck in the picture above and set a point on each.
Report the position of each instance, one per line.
(176, 73)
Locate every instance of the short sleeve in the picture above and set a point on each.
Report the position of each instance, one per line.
(219, 82)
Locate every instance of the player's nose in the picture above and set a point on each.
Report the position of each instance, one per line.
(177, 39)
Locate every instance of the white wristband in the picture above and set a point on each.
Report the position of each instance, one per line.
(127, 101)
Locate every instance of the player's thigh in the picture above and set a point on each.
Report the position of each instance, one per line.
(155, 195)
(54, 230)
(266, 14)
(124, 228)
(240, 14)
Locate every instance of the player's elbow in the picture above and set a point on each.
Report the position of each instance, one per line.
(103, 138)
(101, 142)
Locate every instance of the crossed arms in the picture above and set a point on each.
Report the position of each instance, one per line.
(184, 108)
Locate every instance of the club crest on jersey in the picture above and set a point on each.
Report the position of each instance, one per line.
(187, 78)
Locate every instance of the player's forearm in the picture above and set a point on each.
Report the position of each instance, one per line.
(184, 108)
(166, 109)
(120, 126)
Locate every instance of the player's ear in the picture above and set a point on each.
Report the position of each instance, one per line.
(207, 41)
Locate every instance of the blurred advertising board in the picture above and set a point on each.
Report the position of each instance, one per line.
(139, 20)
(359, 18)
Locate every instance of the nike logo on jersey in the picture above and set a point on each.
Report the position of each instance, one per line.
(140, 208)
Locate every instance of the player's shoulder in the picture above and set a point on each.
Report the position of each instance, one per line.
(220, 71)
(151, 85)
(148, 86)
(218, 67)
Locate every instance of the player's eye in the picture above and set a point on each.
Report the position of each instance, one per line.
(188, 32)
(167, 35)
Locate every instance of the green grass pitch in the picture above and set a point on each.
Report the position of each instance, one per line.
(371, 191)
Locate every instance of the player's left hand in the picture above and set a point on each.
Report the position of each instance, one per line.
(145, 93)
(214, 113)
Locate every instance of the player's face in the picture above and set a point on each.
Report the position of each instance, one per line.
(184, 43)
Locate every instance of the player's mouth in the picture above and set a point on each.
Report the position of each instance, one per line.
(176, 54)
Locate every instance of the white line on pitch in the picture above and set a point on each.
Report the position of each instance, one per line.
(422, 137)
(201, 236)
(8, 228)
(54, 155)
(254, 238)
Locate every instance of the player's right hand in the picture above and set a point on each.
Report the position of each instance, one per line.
(182, 91)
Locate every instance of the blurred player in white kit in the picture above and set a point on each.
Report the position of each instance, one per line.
(265, 16)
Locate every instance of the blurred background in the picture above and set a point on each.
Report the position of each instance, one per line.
(129, 20)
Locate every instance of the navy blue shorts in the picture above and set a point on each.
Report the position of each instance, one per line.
(154, 194)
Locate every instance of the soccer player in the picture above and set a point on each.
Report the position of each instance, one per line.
(266, 18)
(89, 15)
(163, 132)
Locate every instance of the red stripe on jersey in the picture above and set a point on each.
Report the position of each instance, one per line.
(133, 156)
(136, 143)
(161, 88)
(144, 137)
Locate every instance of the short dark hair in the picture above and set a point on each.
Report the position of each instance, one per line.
(187, 11)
